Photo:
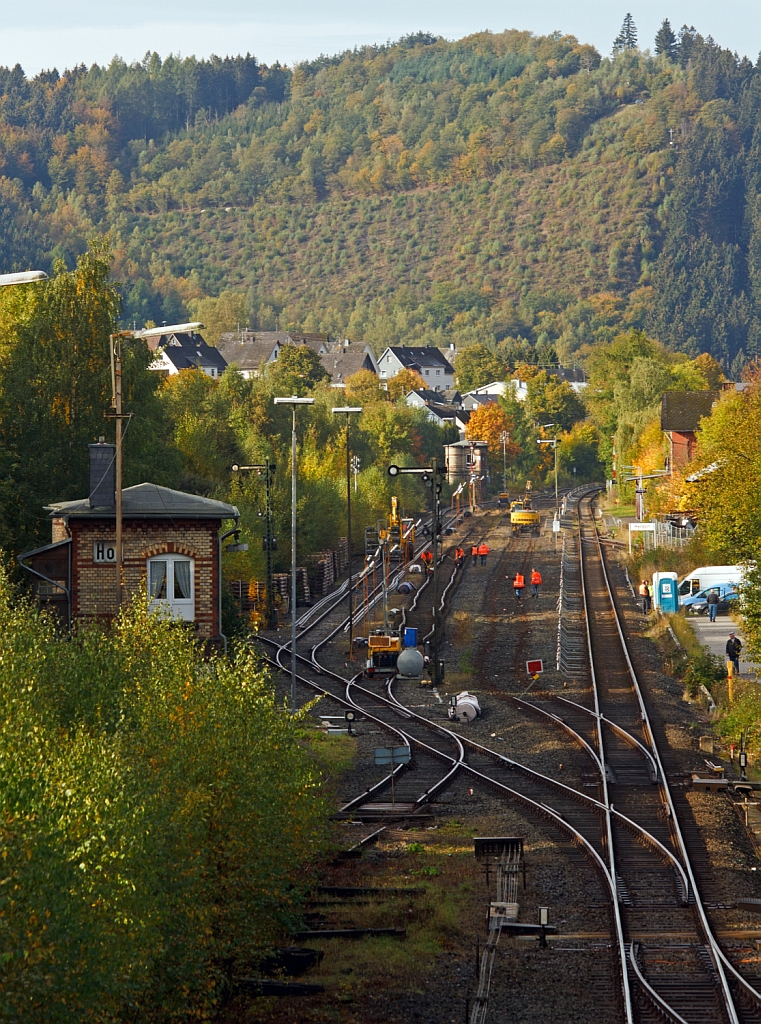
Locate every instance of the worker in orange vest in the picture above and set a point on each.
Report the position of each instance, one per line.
(474, 553)
(427, 559)
(536, 582)
(483, 550)
(459, 556)
(518, 584)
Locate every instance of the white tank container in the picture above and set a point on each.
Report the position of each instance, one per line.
(467, 708)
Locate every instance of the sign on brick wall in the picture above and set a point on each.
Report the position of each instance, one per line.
(104, 551)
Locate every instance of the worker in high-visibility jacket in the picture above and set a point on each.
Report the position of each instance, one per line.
(474, 554)
(483, 551)
(518, 584)
(536, 582)
(427, 559)
(459, 556)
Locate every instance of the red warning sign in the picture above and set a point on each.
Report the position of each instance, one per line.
(535, 668)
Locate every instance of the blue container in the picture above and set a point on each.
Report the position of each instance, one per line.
(410, 636)
(668, 599)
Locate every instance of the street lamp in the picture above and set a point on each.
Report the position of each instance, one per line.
(293, 401)
(26, 277)
(115, 349)
(347, 410)
(504, 438)
(554, 443)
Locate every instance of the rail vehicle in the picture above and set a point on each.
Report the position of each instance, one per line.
(524, 518)
(383, 650)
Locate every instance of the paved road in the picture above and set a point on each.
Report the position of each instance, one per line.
(714, 636)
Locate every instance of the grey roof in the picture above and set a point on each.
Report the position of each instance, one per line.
(248, 351)
(683, 410)
(421, 356)
(150, 501)
(190, 351)
(345, 362)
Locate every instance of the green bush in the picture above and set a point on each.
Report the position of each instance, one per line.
(158, 812)
(703, 669)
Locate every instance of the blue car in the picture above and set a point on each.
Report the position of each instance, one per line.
(698, 603)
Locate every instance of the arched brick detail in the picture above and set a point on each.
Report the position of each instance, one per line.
(169, 548)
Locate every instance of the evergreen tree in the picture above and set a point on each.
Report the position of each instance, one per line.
(627, 37)
(665, 41)
(687, 39)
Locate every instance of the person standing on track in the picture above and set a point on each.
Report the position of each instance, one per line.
(483, 551)
(518, 584)
(474, 553)
(536, 582)
(644, 593)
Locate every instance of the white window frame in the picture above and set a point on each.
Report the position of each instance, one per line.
(182, 608)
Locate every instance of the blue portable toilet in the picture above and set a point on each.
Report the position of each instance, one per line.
(668, 598)
(410, 636)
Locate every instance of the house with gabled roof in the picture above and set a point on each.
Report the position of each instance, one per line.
(178, 350)
(681, 413)
(344, 358)
(171, 547)
(430, 363)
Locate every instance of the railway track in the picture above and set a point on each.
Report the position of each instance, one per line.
(627, 823)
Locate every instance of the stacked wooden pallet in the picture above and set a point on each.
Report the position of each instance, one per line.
(343, 554)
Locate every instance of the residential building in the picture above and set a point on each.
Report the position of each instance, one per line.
(343, 359)
(177, 351)
(250, 351)
(171, 546)
(681, 413)
(433, 367)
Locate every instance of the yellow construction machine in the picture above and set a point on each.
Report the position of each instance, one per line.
(523, 516)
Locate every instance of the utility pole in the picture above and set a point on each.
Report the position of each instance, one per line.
(504, 438)
(347, 410)
(293, 401)
(115, 347)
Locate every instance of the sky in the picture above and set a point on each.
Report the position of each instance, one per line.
(40, 34)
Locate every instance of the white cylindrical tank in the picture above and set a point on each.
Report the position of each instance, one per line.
(410, 662)
(467, 708)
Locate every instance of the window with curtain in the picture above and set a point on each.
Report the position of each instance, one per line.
(170, 586)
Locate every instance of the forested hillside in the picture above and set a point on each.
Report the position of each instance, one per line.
(508, 188)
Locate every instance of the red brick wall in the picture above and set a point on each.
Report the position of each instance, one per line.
(682, 447)
(94, 584)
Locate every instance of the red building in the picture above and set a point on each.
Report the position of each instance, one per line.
(171, 543)
(681, 413)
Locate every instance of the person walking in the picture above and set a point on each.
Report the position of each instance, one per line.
(734, 646)
(518, 584)
(713, 604)
(474, 554)
(536, 582)
(644, 593)
(483, 551)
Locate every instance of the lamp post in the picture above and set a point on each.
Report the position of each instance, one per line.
(347, 410)
(504, 438)
(115, 350)
(293, 401)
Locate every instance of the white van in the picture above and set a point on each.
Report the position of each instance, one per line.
(708, 576)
